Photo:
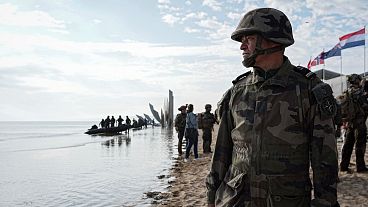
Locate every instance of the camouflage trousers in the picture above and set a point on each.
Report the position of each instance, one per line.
(237, 192)
(180, 141)
(207, 139)
(358, 137)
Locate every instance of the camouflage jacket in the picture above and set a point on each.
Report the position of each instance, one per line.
(180, 121)
(270, 133)
(353, 107)
(208, 120)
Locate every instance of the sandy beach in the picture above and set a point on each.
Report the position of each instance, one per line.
(188, 188)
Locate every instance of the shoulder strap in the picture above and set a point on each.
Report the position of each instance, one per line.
(241, 77)
(305, 72)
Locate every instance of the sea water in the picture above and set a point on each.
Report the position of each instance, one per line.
(56, 164)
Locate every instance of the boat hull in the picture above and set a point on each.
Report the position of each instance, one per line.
(111, 130)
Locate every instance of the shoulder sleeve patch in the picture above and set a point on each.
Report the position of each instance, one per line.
(322, 93)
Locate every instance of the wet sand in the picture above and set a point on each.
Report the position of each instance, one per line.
(188, 188)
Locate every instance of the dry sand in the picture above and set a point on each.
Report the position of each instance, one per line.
(188, 189)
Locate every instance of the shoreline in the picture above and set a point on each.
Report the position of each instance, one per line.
(187, 181)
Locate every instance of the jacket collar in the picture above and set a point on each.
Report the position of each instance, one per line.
(280, 78)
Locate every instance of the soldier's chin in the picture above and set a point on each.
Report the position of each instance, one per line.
(248, 62)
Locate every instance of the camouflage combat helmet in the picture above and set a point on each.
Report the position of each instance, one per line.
(354, 79)
(267, 23)
(207, 106)
(271, 23)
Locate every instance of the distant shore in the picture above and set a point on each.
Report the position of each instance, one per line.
(189, 187)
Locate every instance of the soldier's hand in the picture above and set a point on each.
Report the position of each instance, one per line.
(177, 129)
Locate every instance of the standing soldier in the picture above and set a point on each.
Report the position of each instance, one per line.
(107, 122)
(127, 121)
(353, 103)
(207, 119)
(276, 122)
(112, 121)
(179, 124)
(120, 121)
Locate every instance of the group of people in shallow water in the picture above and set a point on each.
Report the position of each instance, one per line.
(112, 122)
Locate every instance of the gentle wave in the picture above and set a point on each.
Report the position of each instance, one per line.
(51, 148)
(39, 136)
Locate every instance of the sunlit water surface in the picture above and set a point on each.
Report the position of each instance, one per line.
(55, 164)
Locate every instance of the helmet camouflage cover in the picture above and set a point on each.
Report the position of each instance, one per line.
(271, 23)
(354, 78)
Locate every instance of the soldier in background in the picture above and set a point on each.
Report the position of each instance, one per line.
(179, 124)
(102, 123)
(112, 121)
(127, 121)
(107, 122)
(120, 121)
(206, 122)
(276, 122)
(354, 110)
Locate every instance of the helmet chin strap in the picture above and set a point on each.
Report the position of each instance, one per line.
(251, 60)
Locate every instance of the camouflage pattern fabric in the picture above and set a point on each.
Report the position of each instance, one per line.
(355, 114)
(208, 119)
(353, 106)
(180, 121)
(271, 23)
(270, 133)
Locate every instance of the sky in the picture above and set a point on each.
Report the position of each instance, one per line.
(81, 60)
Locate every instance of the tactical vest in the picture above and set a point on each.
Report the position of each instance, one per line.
(208, 119)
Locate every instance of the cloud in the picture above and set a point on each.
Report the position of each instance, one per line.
(170, 19)
(191, 30)
(210, 23)
(97, 21)
(234, 16)
(194, 15)
(71, 75)
(10, 15)
(164, 1)
(213, 4)
(55, 86)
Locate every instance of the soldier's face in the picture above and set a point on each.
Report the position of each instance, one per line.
(248, 45)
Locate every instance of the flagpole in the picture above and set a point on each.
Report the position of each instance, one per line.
(342, 85)
(324, 66)
(364, 53)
